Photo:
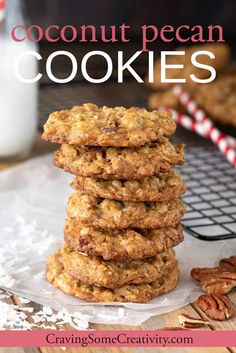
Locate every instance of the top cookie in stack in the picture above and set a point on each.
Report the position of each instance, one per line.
(123, 219)
(119, 127)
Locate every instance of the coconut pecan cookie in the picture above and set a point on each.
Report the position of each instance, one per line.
(101, 213)
(119, 244)
(161, 187)
(137, 293)
(114, 274)
(119, 163)
(218, 99)
(222, 57)
(165, 99)
(90, 125)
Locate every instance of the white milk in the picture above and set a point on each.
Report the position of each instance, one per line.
(18, 101)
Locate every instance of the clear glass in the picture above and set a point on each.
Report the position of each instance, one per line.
(18, 100)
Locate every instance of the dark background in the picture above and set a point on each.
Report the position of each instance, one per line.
(115, 12)
(135, 13)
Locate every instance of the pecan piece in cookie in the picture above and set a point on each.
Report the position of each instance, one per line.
(216, 307)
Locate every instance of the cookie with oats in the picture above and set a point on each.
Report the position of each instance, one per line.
(119, 163)
(136, 293)
(102, 213)
(161, 187)
(114, 274)
(165, 99)
(218, 99)
(119, 244)
(90, 125)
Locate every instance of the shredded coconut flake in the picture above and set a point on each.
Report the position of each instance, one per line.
(76, 320)
(16, 317)
(12, 317)
(5, 295)
(24, 300)
(27, 237)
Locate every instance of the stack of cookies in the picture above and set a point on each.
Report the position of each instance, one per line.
(123, 218)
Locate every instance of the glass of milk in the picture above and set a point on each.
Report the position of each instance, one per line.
(18, 100)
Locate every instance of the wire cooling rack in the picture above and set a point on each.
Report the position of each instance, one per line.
(210, 196)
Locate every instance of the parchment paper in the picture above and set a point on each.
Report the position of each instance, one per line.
(33, 200)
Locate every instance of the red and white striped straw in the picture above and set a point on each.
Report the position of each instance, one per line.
(211, 131)
(188, 123)
(199, 114)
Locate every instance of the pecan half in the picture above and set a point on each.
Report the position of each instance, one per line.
(191, 322)
(216, 307)
(171, 328)
(220, 283)
(205, 272)
(228, 264)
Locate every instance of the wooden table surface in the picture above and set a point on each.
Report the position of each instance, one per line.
(166, 320)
